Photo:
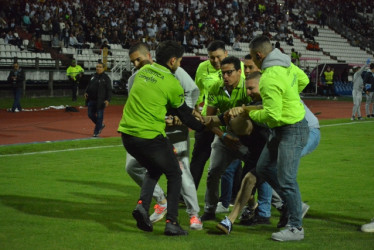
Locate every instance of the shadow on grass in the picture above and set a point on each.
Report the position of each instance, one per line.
(112, 211)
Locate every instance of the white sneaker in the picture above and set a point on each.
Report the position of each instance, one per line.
(289, 234)
(304, 209)
(221, 209)
(352, 118)
(368, 228)
(335, 98)
(159, 213)
(195, 223)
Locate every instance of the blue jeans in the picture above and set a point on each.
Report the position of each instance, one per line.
(227, 181)
(96, 115)
(313, 141)
(264, 199)
(17, 92)
(279, 163)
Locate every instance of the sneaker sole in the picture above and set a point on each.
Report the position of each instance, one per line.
(168, 233)
(279, 239)
(141, 223)
(196, 227)
(222, 228)
(305, 211)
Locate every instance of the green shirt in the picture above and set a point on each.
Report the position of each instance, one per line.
(280, 88)
(74, 71)
(206, 77)
(219, 97)
(155, 89)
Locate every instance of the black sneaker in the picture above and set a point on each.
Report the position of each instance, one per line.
(256, 220)
(283, 219)
(372, 115)
(247, 215)
(208, 216)
(142, 218)
(174, 229)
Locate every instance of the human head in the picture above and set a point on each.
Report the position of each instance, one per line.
(249, 65)
(216, 53)
(99, 68)
(138, 53)
(169, 54)
(231, 71)
(252, 85)
(73, 62)
(16, 65)
(259, 48)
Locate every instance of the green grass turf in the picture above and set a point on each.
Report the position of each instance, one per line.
(83, 198)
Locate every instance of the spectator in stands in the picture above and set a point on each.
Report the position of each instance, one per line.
(39, 45)
(74, 72)
(236, 45)
(98, 94)
(368, 79)
(16, 78)
(295, 58)
(289, 40)
(278, 46)
(329, 80)
(56, 43)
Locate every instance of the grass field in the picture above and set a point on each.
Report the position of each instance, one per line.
(77, 195)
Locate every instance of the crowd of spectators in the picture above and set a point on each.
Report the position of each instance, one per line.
(194, 23)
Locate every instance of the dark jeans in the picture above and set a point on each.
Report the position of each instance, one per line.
(17, 92)
(74, 89)
(200, 154)
(158, 157)
(96, 115)
(227, 182)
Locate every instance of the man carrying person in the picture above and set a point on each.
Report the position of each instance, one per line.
(178, 135)
(143, 131)
(283, 113)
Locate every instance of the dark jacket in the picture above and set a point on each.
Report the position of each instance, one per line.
(20, 74)
(99, 89)
(368, 79)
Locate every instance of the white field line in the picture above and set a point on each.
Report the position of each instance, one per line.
(111, 146)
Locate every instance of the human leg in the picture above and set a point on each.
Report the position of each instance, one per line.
(99, 121)
(91, 111)
(293, 139)
(227, 181)
(200, 154)
(368, 102)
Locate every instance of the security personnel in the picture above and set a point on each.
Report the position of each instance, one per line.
(74, 73)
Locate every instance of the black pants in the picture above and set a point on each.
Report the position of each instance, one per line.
(74, 89)
(200, 154)
(158, 157)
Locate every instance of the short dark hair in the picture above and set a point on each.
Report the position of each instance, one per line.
(253, 75)
(260, 43)
(168, 49)
(232, 60)
(140, 46)
(248, 57)
(215, 45)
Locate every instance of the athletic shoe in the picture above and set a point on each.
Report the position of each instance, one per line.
(208, 216)
(352, 118)
(159, 213)
(304, 209)
(174, 229)
(256, 220)
(95, 135)
(335, 98)
(141, 217)
(368, 228)
(328, 98)
(283, 218)
(195, 223)
(247, 215)
(360, 118)
(225, 225)
(368, 116)
(221, 209)
(289, 234)
(372, 115)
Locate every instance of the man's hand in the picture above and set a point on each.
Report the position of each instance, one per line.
(197, 115)
(85, 96)
(177, 121)
(234, 112)
(169, 121)
(106, 103)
